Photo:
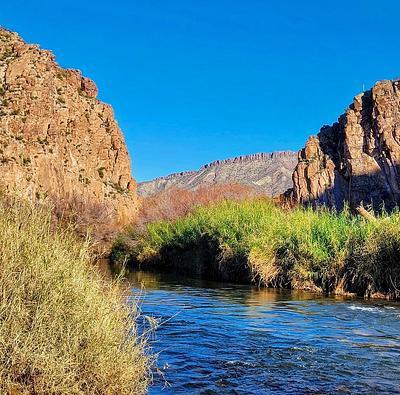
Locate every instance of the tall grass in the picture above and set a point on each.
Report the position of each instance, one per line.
(63, 329)
(257, 241)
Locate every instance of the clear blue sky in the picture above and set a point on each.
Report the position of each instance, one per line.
(192, 81)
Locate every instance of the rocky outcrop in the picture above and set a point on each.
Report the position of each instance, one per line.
(269, 173)
(56, 138)
(357, 159)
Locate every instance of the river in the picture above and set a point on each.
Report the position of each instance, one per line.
(218, 338)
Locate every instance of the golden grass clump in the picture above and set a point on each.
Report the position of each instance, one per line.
(63, 329)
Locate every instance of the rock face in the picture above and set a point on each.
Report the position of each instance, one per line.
(357, 159)
(267, 173)
(56, 138)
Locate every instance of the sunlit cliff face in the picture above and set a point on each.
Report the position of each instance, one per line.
(56, 137)
(357, 159)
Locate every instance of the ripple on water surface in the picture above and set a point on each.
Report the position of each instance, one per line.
(220, 339)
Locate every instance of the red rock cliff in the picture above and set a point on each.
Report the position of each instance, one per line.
(56, 138)
(357, 159)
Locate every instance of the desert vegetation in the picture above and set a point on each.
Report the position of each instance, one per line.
(63, 328)
(256, 240)
(174, 203)
(86, 217)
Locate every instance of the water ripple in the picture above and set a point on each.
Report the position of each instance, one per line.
(227, 339)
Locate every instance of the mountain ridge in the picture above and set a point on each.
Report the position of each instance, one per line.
(255, 167)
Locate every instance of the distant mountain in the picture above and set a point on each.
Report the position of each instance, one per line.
(270, 173)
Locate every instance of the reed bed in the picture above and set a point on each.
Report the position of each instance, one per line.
(257, 241)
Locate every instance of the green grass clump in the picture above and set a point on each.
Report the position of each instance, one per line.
(257, 241)
(63, 328)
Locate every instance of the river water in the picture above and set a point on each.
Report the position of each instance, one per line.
(218, 338)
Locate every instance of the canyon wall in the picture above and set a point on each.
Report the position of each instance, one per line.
(56, 137)
(357, 159)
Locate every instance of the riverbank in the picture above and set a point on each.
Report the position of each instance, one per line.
(63, 328)
(256, 241)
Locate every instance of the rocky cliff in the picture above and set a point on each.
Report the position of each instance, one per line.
(356, 160)
(56, 137)
(269, 173)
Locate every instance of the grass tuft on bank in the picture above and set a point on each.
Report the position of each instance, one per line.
(257, 241)
(63, 329)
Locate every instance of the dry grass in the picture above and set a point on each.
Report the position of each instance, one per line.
(63, 329)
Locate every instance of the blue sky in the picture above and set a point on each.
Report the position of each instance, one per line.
(192, 81)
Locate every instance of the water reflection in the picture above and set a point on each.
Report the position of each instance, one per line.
(235, 339)
(245, 294)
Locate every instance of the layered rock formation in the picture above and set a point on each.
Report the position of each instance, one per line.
(268, 173)
(357, 159)
(56, 138)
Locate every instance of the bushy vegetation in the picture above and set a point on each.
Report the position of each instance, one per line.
(63, 328)
(99, 220)
(176, 202)
(258, 241)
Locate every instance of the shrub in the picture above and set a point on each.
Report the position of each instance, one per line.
(175, 202)
(87, 217)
